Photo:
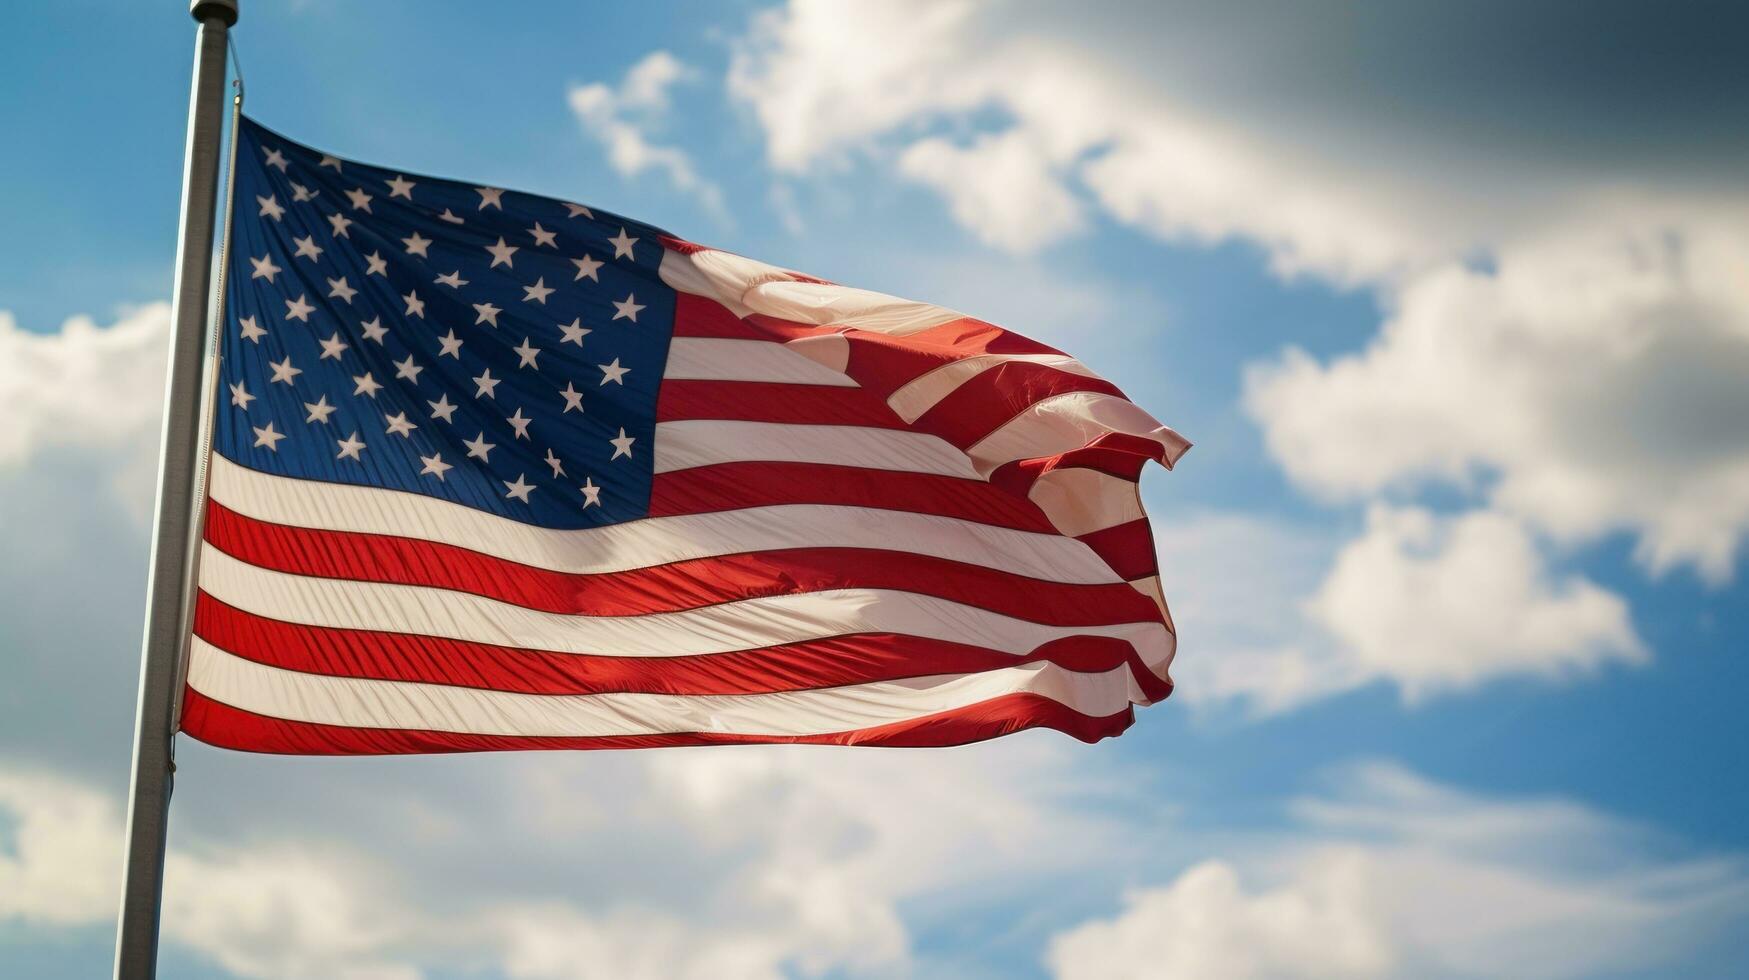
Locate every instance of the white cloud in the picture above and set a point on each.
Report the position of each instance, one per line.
(86, 388)
(276, 911)
(823, 77)
(289, 911)
(799, 861)
(755, 863)
(622, 118)
(1206, 926)
(1392, 875)
(81, 408)
(1001, 187)
(1429, 604)
(1080, 106)
(59, 856)
(1593, 382)
(1444, 604)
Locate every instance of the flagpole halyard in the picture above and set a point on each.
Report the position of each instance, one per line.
(173, 542)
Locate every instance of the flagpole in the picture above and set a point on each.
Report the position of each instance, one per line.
(136, 950)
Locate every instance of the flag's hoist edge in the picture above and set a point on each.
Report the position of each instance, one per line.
(871, 521)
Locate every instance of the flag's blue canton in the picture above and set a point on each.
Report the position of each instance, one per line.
(497, 349)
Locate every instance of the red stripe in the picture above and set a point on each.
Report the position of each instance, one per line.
(1127, 548)
(220, 724)
(665, 588)
(755, 401)
(1119, 454)
(695, 316)
(732, 486)
(996, 395)
(832, 662)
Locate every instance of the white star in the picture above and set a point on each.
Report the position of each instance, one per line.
(573, 398)
(490, 196)
(333, 346)
(307, 247)
(627, 309)
(267, 437)
(366, 385)
(501, 253)
(578, 211)
(360, 200)
(451, 344)
(350, 447)
(451, 217)
(613, 372)
(339, 222)
(478, 447)
(417, 244)
(264, 268)
(520, 423)
(622, 245)
(339, 288)
(275, 158)
(574, 332)
(400, 187)
(270, 207)
(588, 267)
(487, 314)
(330, 161)
(240, 396)
(434, 465)
(376, 265)
(442, 409)
(543, 236)
(553, 461)
(373, 329)
(623, 445)
(298, 309)
(591, 492)
(302, 193)
(283, 372)
(518, 490)
(486, 384)
(407, 370)
(415, 305)
(538, 292)
(250, 330)
(399, 425)
(319, 410)
(527, 353)
(454, 280)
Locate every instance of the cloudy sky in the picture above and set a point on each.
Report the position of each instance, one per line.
(1453, 299)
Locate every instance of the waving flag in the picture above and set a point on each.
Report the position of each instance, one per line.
(496, 471)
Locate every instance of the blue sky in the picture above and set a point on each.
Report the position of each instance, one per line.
(1454, 314)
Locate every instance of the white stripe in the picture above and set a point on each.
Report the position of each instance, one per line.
(717, 359)
(747, 286)
(703, 442)
(1150, 587)
(1069, 421)
(924, 392)
(744, 624)
(652, 541)
(358, 703)
(1080, 501)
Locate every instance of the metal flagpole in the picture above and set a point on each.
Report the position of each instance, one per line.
(136, 950)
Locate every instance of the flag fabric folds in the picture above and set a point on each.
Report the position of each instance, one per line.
(497, 471)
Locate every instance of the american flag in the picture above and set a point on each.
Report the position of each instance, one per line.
(497, 471)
